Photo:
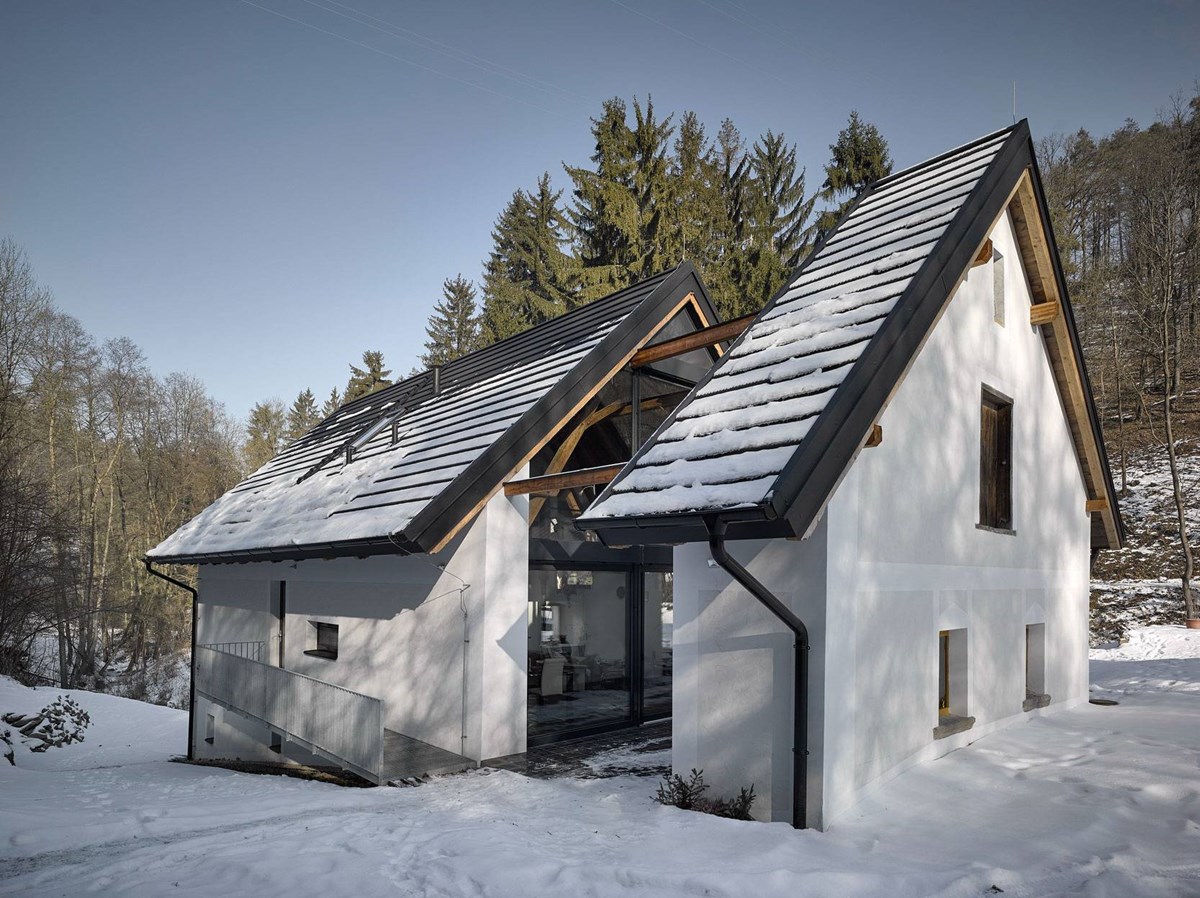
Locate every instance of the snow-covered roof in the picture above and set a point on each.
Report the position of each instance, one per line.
(763, 440)
(400, 469)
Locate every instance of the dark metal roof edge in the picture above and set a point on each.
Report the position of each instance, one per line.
(814, 470)
(344, 549)
(689, 527)
(958, 150)
(459, 497)
(1076, 346)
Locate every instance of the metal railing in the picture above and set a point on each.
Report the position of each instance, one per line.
(255, 651)
(333, 721)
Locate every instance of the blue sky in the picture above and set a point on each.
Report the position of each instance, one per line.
(255, 191)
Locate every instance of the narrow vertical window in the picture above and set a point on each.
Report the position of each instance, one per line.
(953, 714)
(995, 462)
(998, 287)
(943, 672)
(1035, 667)
(276, 743)
(210, 729)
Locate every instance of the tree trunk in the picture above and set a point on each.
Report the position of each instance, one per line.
(1189, 603)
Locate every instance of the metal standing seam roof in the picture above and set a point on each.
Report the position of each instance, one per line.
(764, 439)
(491, 407)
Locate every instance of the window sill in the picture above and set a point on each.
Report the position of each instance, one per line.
(1004, 530)
(322, 653)
(952, 724)
(1035, 700)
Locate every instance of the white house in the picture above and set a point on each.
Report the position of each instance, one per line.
(857, 538)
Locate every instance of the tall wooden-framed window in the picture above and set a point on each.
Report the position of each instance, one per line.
(995, 461)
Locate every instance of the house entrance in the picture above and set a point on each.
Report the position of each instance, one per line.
(599, 640)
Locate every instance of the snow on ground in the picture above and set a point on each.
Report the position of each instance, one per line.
(1094, 801)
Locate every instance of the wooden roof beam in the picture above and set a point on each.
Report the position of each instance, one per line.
(554, 483)
(1047, 310)
(700, 339)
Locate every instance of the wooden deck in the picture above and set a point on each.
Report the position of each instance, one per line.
(405, 757)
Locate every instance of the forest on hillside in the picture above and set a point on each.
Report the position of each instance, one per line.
(101, 458)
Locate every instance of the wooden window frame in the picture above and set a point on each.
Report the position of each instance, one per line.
(995, 462)
(943, 673)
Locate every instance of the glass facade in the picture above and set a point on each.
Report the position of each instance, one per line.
(600, 619)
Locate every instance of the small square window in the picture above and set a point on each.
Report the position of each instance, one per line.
(322, 640)
(995, 462)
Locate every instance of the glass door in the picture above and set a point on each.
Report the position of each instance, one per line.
(578, 637)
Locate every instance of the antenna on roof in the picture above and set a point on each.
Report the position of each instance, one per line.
(1014, 102)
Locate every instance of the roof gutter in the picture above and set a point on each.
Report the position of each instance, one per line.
(192, 667)
(716, 544)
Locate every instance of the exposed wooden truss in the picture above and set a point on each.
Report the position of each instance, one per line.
(687, 301)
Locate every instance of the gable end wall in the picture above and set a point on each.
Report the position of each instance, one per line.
(907, 559)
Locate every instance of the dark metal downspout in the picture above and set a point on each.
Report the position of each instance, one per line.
(716, 544)
(192, 672)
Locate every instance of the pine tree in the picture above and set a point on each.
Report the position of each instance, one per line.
(264, 433)
(528, 278)
(727, 280)
(781, 210)
(619, 206)
(369, 378)
(694, 214)
(860, 157)
(453, 328)
(302, 416)
(331, 404)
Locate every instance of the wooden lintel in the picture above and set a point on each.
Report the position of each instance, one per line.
(875, 437)
(554, 483)
(707, 336)
(1097, 505)
(1044, 312)
(984, 255)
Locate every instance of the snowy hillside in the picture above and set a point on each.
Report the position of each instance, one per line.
(1098, 801)
(1140, 583)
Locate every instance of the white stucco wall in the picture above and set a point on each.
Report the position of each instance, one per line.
(907, 559)
(401, 630)
(899, 556)
(732, 691)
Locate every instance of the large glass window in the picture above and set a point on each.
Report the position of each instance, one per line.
(657, 615)
(578, 657)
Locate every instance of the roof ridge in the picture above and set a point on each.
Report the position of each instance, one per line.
(942, 157)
